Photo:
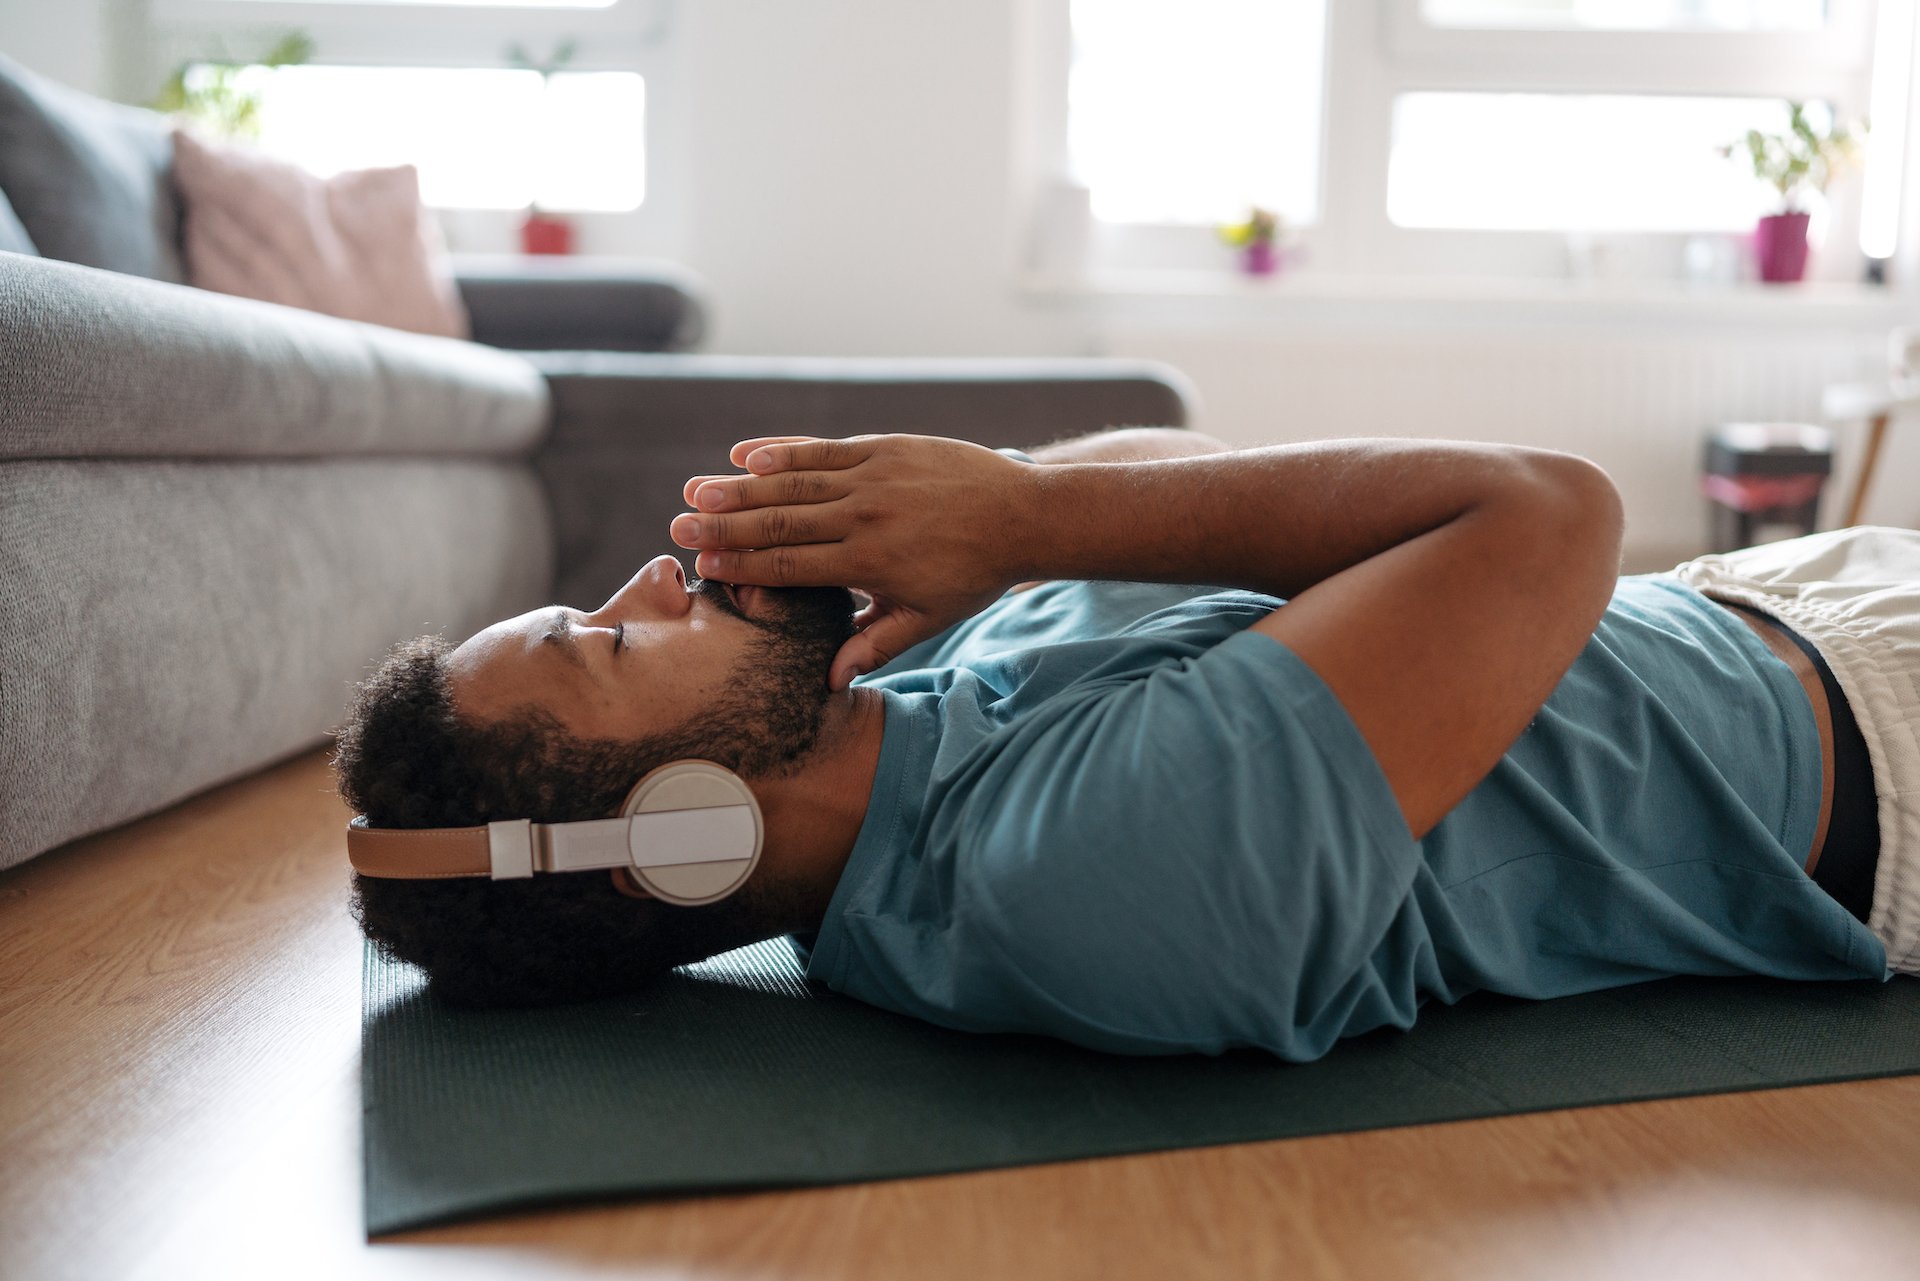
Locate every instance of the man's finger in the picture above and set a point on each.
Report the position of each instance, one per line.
(765, 527)
(856, 658)
(875, 646)
(809, 455)
(816, 565)
(692, 487)
(738, 454)
(787, 488)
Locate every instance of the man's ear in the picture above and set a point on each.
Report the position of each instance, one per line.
(624, 882)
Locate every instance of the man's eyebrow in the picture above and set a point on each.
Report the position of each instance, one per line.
(560, 631)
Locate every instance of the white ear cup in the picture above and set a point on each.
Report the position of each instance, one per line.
(707, 840)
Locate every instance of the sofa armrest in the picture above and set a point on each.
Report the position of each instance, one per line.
(580, 304)
(629, 430)
(96, 364)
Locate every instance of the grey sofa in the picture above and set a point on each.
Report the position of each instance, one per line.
(214, 513)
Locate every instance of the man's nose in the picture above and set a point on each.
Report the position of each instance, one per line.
(659, 589)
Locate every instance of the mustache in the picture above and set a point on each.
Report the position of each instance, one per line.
(714, 592)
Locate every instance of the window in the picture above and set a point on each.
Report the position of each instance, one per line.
(483, 138)
(434, 83)
(1193, 113)
(1464, 136)
(1573, 162)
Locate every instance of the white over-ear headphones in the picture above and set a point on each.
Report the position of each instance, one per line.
(689, 833)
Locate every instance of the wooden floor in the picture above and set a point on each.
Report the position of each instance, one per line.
(178, 1098)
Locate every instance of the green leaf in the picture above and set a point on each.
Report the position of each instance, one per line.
(294, 48)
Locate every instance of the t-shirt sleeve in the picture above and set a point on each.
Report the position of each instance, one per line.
(1202, 857)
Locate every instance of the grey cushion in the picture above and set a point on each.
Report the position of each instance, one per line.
(629, 430)
(90, 180)
(13, 237)
(98, 364)
(168, 625)
(580, 304)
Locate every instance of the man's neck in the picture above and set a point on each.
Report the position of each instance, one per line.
(813, 815)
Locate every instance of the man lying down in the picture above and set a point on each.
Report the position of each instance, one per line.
(1413, 739)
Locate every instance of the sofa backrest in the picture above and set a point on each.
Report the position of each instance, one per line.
(93, 182)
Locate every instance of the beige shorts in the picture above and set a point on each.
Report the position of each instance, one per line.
(1855, 595)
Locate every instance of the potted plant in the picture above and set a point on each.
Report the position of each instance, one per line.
(1802, 159)
(211, 93)
(1258, 240)
(542, 232)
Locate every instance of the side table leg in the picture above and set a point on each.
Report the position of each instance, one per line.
(1876, 435)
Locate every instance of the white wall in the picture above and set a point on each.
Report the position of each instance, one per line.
(853, 179)
(1634, 393)
(846, 175)
(66, 40)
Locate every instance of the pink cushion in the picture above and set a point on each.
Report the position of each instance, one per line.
(358, 245)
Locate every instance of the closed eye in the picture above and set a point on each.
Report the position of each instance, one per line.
(619, 637)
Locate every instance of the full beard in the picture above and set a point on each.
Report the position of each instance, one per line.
(770, 718)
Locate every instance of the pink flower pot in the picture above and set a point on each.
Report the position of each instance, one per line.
(1259, 258)
(1780, 247)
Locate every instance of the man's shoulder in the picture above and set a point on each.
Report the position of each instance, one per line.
(1083, 619)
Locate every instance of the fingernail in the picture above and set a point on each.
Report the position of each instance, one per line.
(689, 527)
(711, 497)
(757, 459)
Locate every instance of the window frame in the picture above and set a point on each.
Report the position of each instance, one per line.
(1379, 49)
(1679, 61)
(402, 34)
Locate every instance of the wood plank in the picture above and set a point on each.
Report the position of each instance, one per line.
(179, 1042)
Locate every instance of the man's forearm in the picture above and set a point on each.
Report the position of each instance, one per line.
(1128, 445)
(1274, 518)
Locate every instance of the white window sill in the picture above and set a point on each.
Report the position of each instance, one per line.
(1228, 296)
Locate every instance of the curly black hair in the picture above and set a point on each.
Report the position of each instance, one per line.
(405, 759)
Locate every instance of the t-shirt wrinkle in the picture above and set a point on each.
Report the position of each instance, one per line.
(1615, 870)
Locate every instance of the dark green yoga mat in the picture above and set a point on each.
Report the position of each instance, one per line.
(735, 1074)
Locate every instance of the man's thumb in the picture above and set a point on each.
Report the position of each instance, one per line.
(872, 648)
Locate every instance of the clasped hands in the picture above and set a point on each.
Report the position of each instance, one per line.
(932, 530)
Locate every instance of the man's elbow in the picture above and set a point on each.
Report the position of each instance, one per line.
(1580, 518)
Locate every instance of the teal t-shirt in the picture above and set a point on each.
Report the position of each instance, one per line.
(1107, 812)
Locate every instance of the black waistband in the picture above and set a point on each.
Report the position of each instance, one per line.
(1847, 864)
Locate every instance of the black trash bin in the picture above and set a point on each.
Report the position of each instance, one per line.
(1762, 481)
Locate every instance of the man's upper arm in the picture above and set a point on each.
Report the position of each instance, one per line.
(1443, 648)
